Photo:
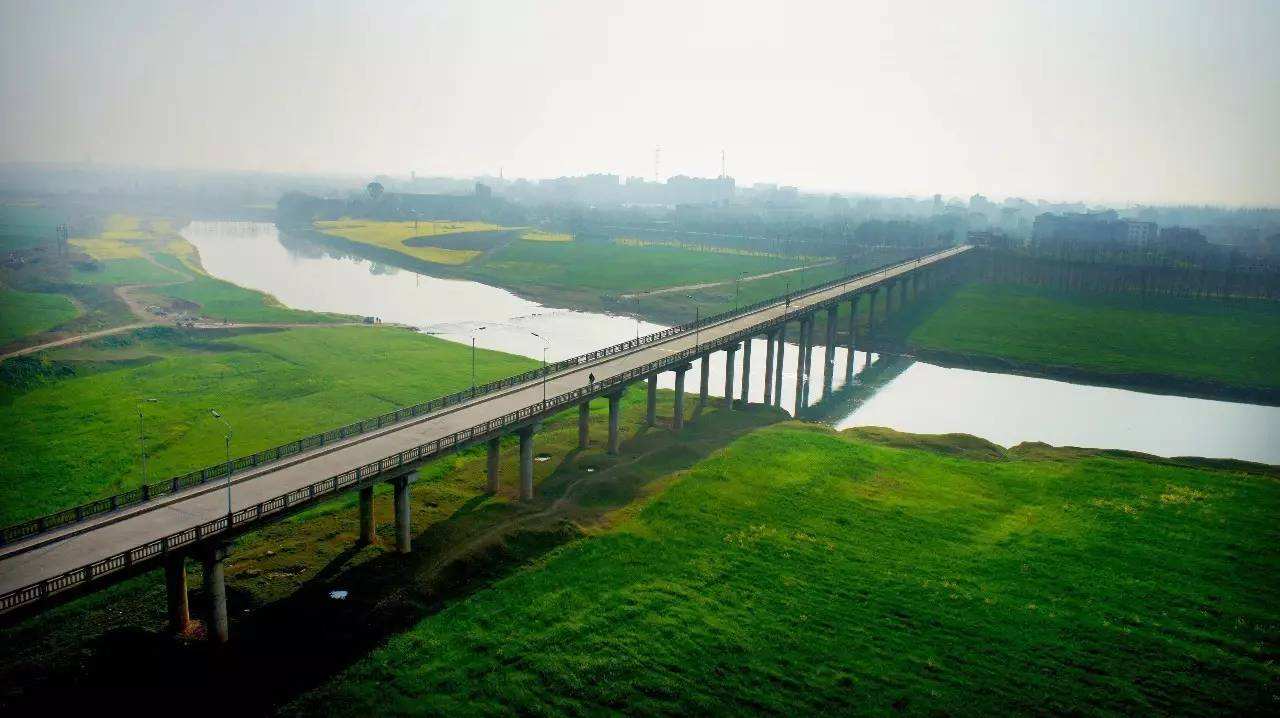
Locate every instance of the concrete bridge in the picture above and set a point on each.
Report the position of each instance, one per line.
(48, 560)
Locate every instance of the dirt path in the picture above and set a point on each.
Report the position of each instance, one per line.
(706, 285)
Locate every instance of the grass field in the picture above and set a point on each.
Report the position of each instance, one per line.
(537, 235)
(25, 226)
(124, 272)
(803, 572)
(75, 438)
(392, 235)
(26, 313)
(1231, 342)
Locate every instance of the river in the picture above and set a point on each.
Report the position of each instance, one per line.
(923, 398)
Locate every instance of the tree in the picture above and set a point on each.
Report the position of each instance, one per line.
(374, 189)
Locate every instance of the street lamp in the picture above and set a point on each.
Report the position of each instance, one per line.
(545, 343)
(142, 440)
(473, 357)
(226, 439)
(697, 323)
(737, 286)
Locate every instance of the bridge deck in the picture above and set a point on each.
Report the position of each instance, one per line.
(29, 561)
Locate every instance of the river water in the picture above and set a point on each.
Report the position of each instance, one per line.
(923, 398)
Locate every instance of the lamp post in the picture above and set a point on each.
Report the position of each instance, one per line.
(142, 440)
(737, 287)
(473, 358)
(697, 324)
(545, 343)
(226, 440)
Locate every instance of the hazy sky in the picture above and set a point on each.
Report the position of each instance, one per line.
(1118, 100)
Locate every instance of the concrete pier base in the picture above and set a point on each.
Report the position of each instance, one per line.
(704, 382)
(400, 486)
(584, 424)
(677, 418)
(769, 340)
(495, 456)
(175, 585)
(746, 372)
(366, 515)
(802, 366)
(217, 626)
(850, 361)
(730, 353)
(526, 462)
(615, 414)
(651, 407)
(829, 365)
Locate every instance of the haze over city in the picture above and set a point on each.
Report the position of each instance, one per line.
(1153, 102)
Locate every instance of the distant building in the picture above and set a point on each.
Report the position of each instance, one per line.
(1090, 228)
(990, 238)
(1140, 232)
(1183, 238)
(483, 191)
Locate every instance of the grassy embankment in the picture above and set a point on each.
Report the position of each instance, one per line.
(392, 236)
(805, 572)
(24, 313)
(131, 259)
(279, 577)
(1174, 342)
(70, 416)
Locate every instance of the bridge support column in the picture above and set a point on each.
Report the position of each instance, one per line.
(651, 409)
(802, 364)
(615, 411)
(850, 362)
(769, 340)
(495, 455)
(175, 585)
(730, 354)
(366, 515)
(400, 486)
(584, 424)
(677, 419)
(777, 379)
(526, 461)
(829, 370)
(808, 356)
(746, 371)
(871, 313)
(704, 382)
(217, 626)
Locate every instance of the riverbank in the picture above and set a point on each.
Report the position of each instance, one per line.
(805, 571)
(1209, 348)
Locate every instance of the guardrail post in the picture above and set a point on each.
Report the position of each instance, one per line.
(175, 584)
(495, 446)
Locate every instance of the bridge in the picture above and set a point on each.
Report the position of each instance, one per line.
(55, 557)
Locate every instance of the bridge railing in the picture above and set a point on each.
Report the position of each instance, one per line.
(373, 470)
(148, 492)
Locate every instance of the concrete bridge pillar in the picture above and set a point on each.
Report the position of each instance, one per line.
(495, 455)
(615, 411)
(829, 368)
(217, 626)
(777, 379)
(400, 485)
(769, 340)
(526, 461)
(730, 353)
(850, 367)
(704, 378)
(651, 409)
(584, 424)
(808, 356)
(802, 364)
(366, 515)
(746, 371)
(175, 585)
(871, 311)
(677, 419)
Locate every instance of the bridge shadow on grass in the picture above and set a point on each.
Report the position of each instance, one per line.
(289, 634)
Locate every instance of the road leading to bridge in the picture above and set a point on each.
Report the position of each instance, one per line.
(51, 554)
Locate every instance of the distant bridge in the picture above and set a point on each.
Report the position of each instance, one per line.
(61, 555)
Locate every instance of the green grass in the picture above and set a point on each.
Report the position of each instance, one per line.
(1233, 342)
(808, 573)
(125, 271)
(614, 268)
(220, 299)
(25, 313)
(72, 439)
(25, 226)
